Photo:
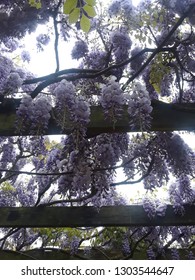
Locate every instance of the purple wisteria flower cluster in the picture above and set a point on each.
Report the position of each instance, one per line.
(116, 7)
(139, 107)
(80, 50)
(96, 59)
(180, 156)
(71, 106)
(121, 43)
(181, 193)
(6, 66)
(42, 40)
(126, 247)
(112, 98)
(25, 55)
(154, 207)
(10, 44)
(178, 6)
(13, 83)
(151, 254)
(34, 113)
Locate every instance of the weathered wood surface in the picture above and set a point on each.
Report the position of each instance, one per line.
(94, 254)
(165, 117)
(133, 215)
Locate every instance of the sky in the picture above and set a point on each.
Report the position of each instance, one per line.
(46, 59)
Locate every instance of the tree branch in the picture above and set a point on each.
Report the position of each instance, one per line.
(83, 73)
(55, 23)
(159, 47)
(127, 182)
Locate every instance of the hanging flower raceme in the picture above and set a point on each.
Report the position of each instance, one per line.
(115, 8)
(180, 156)
(109, 148)
(7, 196)
(96, 59)
(179, 6)
(79, 50)
(26, 192)
(6, 66)
(42, 40)
(33, 114)
(175, 254)
(181, 193)
(139, 108)
(158, 175)
(185, 189)
(112, 98)
(176, 199)
(121, 44)
(41, 113)
(69, 106)
(74, 245)
(154, 207)
(81, 112)
(25, 56)
(149, 207)
(126, 249)
(24, 113)
(151, 254)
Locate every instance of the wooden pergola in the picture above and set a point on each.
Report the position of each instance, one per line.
(165, 117)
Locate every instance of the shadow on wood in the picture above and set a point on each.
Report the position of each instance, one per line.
(133, 215)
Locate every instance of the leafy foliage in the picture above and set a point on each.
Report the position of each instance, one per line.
(34, 3)
(80, 10)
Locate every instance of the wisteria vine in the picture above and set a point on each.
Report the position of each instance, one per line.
(131, 58)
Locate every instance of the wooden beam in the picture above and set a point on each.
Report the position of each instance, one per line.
(95, 253)
(133, 215)
(165, 117)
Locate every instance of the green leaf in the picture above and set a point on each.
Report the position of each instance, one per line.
(69, 5)
(31, 2)
(85, 23)
(161, 18)
(38, 6)
(35, 4)
(91, 2)
(89, 10)
(74, 15)
(156, 87)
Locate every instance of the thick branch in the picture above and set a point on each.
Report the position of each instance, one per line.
(56, 44)
(74, 74)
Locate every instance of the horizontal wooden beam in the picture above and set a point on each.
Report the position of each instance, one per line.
(165, 117)
(94, 254)
(133, 215)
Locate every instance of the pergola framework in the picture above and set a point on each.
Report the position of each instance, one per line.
(87, 216)
(165, 117)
